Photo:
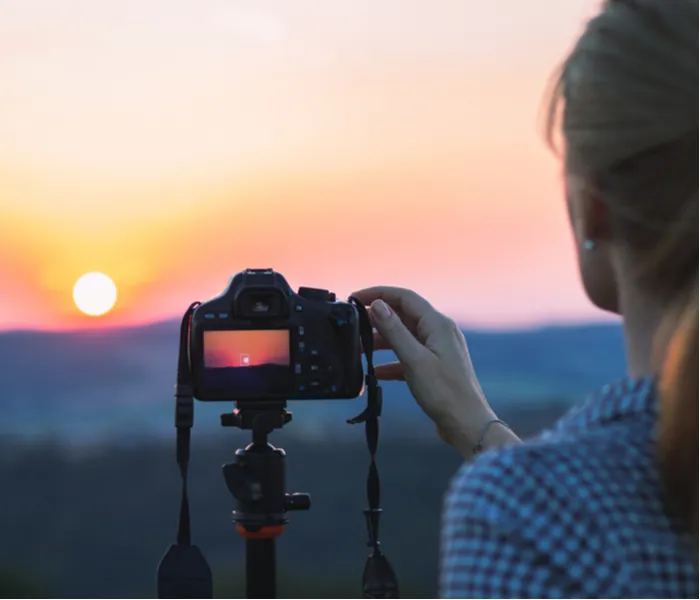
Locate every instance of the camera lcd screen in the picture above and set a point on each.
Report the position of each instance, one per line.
(248, 362)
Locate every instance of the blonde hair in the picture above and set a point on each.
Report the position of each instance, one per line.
(628, 95)
(678, 416)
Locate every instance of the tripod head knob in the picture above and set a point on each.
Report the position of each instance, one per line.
(297, 501)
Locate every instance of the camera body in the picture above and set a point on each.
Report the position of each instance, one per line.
(259, 340)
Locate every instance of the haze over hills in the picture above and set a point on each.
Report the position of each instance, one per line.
(117, 384)
(108, 479)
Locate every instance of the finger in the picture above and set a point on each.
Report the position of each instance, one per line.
(415, 311)
(400, 299)
(409, 322)
(406, 347)
(390, 372)
(380, 343)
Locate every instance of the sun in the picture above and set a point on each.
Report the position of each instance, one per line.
(95, 294)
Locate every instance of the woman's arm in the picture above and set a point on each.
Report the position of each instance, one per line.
(433, 359)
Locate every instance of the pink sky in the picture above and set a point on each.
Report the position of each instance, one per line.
(345, 144)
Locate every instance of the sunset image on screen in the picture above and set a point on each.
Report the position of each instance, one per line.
(224, 349)
(247, 362)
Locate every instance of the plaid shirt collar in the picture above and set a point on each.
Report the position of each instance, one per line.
(613, 402)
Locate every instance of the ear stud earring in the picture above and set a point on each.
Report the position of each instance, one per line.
(588, 245)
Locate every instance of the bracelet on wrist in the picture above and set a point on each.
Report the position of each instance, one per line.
(480, 444)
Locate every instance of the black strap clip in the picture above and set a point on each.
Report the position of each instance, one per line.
(184, 406)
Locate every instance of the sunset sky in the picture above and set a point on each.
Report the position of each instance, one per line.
(344, 143)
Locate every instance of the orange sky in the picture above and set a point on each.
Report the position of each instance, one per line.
(344, 143)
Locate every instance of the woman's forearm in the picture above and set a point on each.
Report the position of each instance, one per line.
(498, 435)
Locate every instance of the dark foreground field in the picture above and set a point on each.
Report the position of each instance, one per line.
(95, 523)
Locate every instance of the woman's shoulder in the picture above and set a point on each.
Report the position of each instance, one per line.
(594, 451)
(556, 473)
(622, 400)
(584, 498)
(521, 510)
(545, 485)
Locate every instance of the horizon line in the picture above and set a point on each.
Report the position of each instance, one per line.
(472, 327)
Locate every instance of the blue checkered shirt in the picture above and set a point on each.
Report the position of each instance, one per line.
(575, 513)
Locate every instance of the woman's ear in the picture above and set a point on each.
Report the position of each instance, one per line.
(590, 223)
(594, 215)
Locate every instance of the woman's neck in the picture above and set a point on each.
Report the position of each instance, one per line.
(642, 318)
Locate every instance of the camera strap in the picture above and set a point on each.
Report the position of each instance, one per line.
(379, 580)
(183, 571)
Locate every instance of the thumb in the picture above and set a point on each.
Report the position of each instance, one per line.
(406, 347)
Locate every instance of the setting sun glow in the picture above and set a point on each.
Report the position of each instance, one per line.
(95, 294)
(173, 144)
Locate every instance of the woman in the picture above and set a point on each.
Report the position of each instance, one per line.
(579, 511)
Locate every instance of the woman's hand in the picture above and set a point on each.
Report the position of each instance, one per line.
(434, 361)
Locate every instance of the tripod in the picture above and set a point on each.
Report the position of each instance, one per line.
(257, 481)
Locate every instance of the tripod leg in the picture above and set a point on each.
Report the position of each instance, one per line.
(261, 568)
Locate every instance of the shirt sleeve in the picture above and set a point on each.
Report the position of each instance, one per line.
(486, 551)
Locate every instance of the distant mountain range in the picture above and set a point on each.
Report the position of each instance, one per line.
(110, 481)
(117, 385)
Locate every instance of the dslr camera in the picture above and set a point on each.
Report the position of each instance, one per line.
(259, 340)
(260, 344)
